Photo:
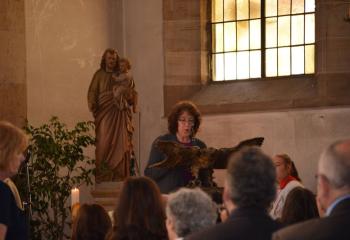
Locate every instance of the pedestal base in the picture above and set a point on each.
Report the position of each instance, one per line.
(107, 194)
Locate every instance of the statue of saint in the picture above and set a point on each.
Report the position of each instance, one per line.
(112, 98)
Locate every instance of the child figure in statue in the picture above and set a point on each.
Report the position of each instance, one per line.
(124, 87)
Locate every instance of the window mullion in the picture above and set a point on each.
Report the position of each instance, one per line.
(290, 38)
(223, 38)
(249, 40)
(263, 38)
(304, 43)
(277, 45)
(236, 55)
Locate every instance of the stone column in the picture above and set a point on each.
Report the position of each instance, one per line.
(13, 96)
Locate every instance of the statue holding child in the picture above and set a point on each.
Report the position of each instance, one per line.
(112, 99)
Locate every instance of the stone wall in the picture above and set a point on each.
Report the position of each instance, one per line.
(143, 40)
(296, 115)
(13, 95)
(65, 41)
(185, 49)
(302, 134)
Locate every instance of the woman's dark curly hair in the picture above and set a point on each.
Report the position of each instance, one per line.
(103, 59)
(177, 110)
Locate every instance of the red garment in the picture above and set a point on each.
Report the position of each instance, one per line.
(286, 180)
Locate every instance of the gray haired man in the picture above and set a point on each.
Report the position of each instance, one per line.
(249, 191)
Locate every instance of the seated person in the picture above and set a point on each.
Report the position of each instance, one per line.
(248, 192)
(13, 142)
(15, 192)
(288, 179)
(188, 211)
(333, 194)
(91, 223)
(140, 212)
(300, 205)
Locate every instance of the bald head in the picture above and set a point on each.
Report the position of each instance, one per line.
(335, 164)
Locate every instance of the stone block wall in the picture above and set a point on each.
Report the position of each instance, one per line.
(185, 48)
(13, 90)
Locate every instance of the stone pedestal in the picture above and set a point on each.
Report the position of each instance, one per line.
(106, 194)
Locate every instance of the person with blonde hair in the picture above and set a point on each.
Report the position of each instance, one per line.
(13, 143)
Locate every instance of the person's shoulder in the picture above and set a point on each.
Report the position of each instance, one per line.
(214, 232)
(303, 230)
(199, 143)
(5, 191)
(138, 232)
(4, 187)
(166, 137)
(203, 234)
(99, 72)
(293, 184)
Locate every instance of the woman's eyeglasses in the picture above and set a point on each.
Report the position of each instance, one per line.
(184, 121)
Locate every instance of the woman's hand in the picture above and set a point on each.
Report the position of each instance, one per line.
(3, 230)
(223, 213)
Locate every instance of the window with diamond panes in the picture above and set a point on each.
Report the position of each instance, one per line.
(262, 38)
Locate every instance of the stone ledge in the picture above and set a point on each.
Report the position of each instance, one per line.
(107, 193)
(265, 94)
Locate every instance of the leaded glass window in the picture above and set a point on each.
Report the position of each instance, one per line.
(262, 38)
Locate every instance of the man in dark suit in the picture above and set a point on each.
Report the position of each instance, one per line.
(248, 192)
(333, 193)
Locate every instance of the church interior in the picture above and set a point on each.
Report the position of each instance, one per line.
(51, 49)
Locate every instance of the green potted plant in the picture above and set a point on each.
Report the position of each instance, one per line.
(57, 165)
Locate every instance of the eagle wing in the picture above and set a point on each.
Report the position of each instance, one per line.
(222, 155)
(176, 155)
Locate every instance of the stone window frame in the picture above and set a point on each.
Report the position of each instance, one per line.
(265, 94)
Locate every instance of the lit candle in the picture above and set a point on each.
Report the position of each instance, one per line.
(75, 196)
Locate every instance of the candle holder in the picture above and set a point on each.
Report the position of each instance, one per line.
(75, 209)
